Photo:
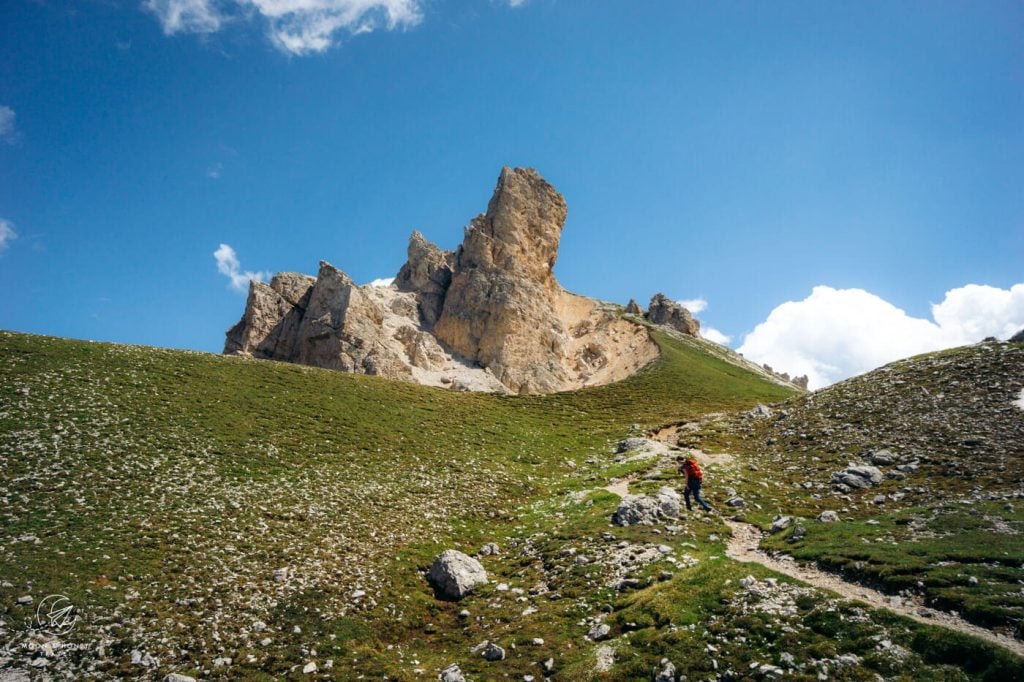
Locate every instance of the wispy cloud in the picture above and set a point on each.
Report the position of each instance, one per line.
(215, 170)
(295, 26)
(834, 334)
(229, 266)
(382, 282)
(7, 234)
(186, 16)
(8, 130)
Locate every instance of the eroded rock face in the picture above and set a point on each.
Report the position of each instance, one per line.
(500, 307)
(427, 273)
(273, 312)
(490, 316)
(665, 311)
(633, 308)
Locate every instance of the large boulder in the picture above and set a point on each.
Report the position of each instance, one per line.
(668, 502)
(858, 476)
(637, 510)
(664, 311)
(453, 575)
(647, 510)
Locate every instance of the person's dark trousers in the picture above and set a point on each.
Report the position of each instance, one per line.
(693, 486)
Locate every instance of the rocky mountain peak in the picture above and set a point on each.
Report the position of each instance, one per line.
(520, 231)
(490, 316)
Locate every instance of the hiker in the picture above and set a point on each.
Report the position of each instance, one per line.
(694, 477)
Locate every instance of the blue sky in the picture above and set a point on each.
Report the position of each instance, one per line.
(741, 153)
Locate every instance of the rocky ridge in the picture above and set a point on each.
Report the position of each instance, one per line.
(489, 316)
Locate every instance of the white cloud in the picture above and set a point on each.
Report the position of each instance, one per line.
(516, 3)
(694, 305)
(8, 133)
(834, 334)
(712, 334)
(7, 234)
(186, 16)
(295, 26)
(228, 265)
(382, 282)
(214, 171)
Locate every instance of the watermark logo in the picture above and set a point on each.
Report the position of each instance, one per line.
(56, 615)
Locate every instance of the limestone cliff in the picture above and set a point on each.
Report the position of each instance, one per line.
(489, 316)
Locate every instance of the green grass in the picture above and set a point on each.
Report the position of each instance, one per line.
(932, 551)
(165, 487)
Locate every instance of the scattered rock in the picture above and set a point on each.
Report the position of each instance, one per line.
(493, 652)
(25, 600)
(667, 672)
(858, 476)
(598, 632)
(454, 574)
(309, 668)
(633, 444)
(761, 411)
(280, 575)
(828, 516)
(490, 549)
(883, 457)
(178, 677)
(780, 523)
(452, 674)
(736, 501)
(140, 658)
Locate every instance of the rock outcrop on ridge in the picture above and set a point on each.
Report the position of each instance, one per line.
(489, 316)
(664, 311)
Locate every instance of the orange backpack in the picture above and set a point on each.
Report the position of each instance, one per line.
(693, 470)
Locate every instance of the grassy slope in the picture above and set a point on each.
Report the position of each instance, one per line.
(955, 518)
(159, 490)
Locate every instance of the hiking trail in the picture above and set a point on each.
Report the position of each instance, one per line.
(744, 546)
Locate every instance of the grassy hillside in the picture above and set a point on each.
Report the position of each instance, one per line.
(161, 490)
(946, 525)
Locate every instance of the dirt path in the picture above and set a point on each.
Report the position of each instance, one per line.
(620, 487)
(743, 546)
